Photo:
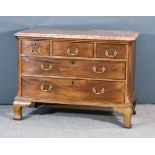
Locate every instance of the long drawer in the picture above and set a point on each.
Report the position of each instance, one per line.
(98, 69)
(103, 91)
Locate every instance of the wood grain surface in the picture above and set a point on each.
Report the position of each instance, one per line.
(73, 89)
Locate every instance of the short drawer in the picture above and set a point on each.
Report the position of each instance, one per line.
(98, 69)
(35, 48)
(73, 49)
(102, 91)
(111, 51)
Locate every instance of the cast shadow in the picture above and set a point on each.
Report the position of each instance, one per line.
(93, 113)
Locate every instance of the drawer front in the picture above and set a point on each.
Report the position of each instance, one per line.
(73, 49)
(111, 51)
(73, 89)
(36, 48)
(98, 69)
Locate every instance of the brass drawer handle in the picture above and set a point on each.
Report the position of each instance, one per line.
(96, 71)
(111, 52)
(72, 53)
(98, 93)
(42, 87)
(46, 69)
(35, 50)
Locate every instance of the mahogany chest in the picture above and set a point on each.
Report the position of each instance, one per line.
(77, 67)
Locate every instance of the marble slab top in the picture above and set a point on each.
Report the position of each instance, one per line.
(78, 34)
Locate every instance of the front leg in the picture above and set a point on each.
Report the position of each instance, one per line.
(17, 112)
(127, 115)
(17, 107)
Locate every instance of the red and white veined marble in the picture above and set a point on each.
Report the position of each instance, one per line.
(78, 34)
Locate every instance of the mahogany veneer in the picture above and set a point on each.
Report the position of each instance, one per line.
(77, 67)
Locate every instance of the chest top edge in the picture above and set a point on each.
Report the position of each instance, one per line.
(77, 34)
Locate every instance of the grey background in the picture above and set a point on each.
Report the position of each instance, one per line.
(145, 63)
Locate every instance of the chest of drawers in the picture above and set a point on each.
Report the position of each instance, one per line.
(88, 68)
